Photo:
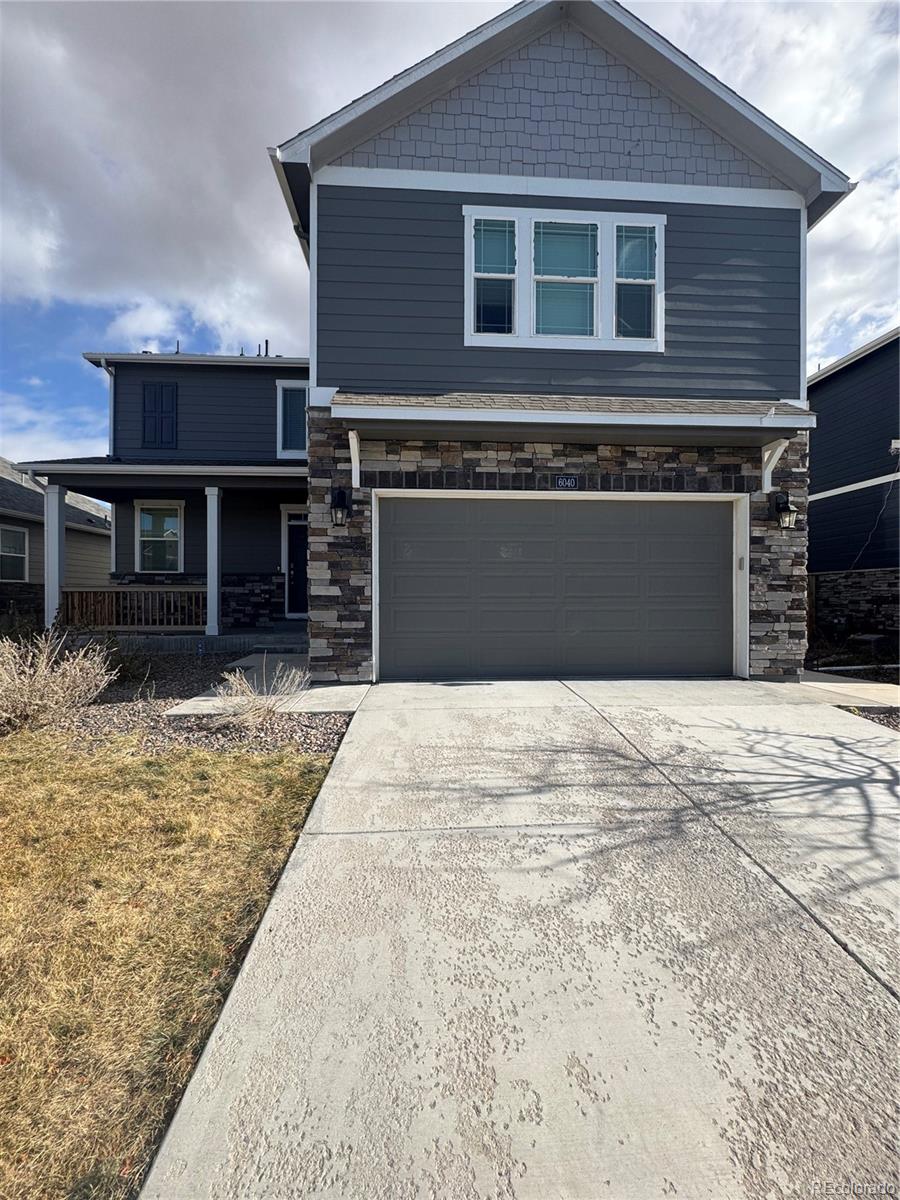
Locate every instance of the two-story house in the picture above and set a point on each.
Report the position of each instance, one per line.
(854, 484)
(557, 418)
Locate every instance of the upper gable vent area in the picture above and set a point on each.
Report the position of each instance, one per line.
(561, 106)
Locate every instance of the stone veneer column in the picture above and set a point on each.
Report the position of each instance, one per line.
(340, 561)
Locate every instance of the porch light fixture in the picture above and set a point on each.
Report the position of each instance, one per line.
(341, 506)
(780, 508)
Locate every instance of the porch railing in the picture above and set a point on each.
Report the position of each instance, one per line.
(135, 608)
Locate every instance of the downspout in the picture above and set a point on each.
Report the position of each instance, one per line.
(353, 439)
(111, 372)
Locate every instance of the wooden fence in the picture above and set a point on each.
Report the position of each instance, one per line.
(135, 608)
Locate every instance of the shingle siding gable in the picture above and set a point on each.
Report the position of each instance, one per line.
(562, 107)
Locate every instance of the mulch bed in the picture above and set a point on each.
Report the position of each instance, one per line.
(136, 704)
(889, 717)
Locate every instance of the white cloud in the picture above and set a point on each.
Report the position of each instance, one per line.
(152, 192)
(34, 381)
(32, 431)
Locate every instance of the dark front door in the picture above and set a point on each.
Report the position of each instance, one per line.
(296, 566)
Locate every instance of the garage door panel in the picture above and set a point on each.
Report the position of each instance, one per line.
(475, 588)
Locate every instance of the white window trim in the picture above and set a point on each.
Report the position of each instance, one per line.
(299, 385)
(604, 291)
(288, 511)
(19, 529)
(138, 505)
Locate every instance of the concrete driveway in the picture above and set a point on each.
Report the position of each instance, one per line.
(552, 940)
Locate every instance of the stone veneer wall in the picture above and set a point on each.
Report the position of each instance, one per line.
(248, 600)
(857, 602)
(340, 605)
(21, 602)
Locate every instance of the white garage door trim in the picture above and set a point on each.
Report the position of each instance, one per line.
(740, 505)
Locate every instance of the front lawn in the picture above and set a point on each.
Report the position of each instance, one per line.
(131, 884)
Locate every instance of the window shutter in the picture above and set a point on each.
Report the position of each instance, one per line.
(168, 414)
(150, 434)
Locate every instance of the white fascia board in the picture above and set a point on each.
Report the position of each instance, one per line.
(100, 359)
(855, 355)
(537, 185)
(377, 412)
(855, 487)
(55, 468)
(38, 519)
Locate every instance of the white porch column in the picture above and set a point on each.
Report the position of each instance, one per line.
(54, 550)
(213, 558)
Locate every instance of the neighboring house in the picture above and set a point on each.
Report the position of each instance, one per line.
(854, 516)
(87, 544)
(557, 418)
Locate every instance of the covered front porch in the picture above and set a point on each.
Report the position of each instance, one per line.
(217, 553)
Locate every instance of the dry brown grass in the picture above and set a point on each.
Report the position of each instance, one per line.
(132, 884)
(254, 696)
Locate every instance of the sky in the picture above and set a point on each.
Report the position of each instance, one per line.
(138, 205)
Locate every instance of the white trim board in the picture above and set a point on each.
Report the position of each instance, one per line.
(855, 487)
(399, 412)
(201, 469)
(740, 545)
(543, 185)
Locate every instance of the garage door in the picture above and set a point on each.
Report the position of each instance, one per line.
(474, 588)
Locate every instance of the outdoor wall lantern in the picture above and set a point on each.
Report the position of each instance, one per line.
(340, 506)
(780, 507)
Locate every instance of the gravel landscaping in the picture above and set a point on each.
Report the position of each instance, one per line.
(137, 701)
(889, 717)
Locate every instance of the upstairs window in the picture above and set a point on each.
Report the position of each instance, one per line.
(158, 541)
(495, 275)
(160, 416)
(564, 280)
(13, 554)
(291, 416)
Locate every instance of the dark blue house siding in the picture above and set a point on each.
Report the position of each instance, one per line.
(225, 414)
(858, 417)
(390, 302)
(857, 531)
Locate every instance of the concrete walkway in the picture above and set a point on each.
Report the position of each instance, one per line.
(568, 940)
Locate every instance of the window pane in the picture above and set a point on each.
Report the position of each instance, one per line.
(159, 522)
(564, 308)
(159, 556)
(12, 567)
(635, 252)
(634, 310)
(495, 247)
(493, 306)
(293, 419)
(12, 541)
(567, 250)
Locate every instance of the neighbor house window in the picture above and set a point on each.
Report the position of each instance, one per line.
(564, 279)
(159, 535)
(13, 554)
(291, 416)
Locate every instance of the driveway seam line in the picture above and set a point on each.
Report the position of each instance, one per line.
(839, 941)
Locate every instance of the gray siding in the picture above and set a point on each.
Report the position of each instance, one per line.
(251, 532)
(561, 106)
(87, 554)
(225, 414)
(391, 302)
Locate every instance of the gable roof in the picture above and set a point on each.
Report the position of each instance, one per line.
(611, 26)
(22, 495)
(855, 355)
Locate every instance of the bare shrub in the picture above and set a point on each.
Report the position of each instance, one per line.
(253, 696)
(43, 682)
